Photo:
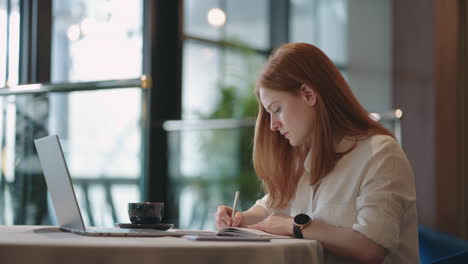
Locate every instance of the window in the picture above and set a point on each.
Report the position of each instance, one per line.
(323, 23)
(9, 61)
(9, 42)
(100, 130)
(220, 64)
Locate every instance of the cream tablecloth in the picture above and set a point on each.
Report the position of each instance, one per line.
(46, 244)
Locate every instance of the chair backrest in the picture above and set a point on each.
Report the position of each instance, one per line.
(436, 247)
(460, 258)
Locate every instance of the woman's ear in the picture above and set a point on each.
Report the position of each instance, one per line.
(309, 94)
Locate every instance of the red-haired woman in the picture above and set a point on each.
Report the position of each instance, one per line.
(331, 172)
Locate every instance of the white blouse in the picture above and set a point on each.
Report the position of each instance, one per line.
(371, 190)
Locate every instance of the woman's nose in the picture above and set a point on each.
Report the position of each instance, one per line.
(274, 124)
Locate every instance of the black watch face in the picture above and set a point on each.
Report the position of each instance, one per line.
(301, 219)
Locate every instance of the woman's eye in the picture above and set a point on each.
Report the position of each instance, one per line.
(277, 110)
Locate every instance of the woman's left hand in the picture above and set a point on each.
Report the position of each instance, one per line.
(276, 224)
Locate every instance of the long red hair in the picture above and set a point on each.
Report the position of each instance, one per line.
(338, 112)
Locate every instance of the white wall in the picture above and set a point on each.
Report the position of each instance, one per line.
(369, 65)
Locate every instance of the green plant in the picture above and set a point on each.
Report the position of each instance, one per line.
(238, 101)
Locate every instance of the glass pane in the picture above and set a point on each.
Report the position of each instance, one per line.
(240, 71)
(102, 150)
(196, 22)
(209, 172)
(9, 42)
(96, 40)
(9, 159)
(8, 203)
(103, 147)
(101, 130)
(23, 196)
(3, 41)
(14, 41)
(105, 134)
(240, 24)
(205, 168)
(201, 64)
(219, 82)
(339, 27)
(247, 22)
(322, 23)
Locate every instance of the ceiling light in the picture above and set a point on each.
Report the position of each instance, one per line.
(216, 17)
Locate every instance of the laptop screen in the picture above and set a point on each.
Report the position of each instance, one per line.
(59, 182)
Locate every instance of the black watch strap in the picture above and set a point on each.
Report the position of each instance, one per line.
(300, 221)
(297, 232)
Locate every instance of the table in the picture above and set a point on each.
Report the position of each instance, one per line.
(47, 244)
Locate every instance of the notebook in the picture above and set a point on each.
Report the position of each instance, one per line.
(237, 234)
(246, 232)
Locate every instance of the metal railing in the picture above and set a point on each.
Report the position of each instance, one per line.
(180, 125)
(143, 82)
(393, 116)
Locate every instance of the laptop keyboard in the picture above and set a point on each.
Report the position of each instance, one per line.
(121, 231)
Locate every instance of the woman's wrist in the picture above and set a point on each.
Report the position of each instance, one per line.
(248, 219)
(254, 215)
(314, 229)
(290, 227)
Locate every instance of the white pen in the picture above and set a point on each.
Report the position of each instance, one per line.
(236, 198)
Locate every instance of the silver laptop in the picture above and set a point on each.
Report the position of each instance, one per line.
(63, 196)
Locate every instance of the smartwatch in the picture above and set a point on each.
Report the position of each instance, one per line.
(301, 221)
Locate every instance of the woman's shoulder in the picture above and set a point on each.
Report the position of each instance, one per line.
(383, 141)
(377, 144)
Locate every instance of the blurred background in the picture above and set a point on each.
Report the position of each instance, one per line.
(153, 100)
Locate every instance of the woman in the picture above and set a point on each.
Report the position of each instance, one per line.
(331, 172)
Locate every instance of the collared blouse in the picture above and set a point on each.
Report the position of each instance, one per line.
(371, 190)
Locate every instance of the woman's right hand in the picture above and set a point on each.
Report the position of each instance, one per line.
(223, 217)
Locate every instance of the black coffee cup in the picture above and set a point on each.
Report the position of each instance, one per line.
(145, 213)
